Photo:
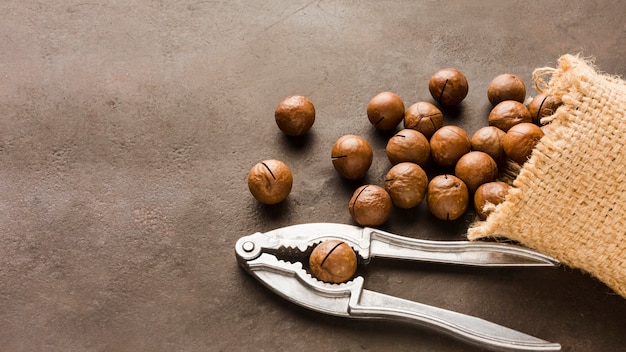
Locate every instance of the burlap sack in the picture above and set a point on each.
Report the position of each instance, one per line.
(569, 198)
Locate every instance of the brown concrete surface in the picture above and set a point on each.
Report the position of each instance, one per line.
(127, 129)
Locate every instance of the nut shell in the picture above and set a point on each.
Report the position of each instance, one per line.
(508, 114)
(408, 145)
(506, 86)
(448, 145)
(370, 205)
(489, 139)
(541, 106)
(520, 141)
(270, 181)
(333, 261)
(406, 184)
(385, 111)
(423, 117)
(476, 168)
(352, 156)
(448, 86)
(295, 115)
(490, 192)
(447, 197)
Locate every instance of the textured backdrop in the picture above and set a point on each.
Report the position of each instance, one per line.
(127, 129)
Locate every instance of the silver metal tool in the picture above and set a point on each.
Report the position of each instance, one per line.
(272, 258)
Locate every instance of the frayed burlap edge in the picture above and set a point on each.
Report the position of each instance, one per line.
(569, 199)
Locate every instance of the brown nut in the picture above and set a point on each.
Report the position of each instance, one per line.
(295, 115)
(333, 261)
(385, 111)
(491, 192)
(406, 184)
(352, 156)
(506, 86)
(370, 205)
(448, 144)
(476, 168)
(508, 114)
(489, 139)
(448, 86)
(408, 145)
(270, 181)
(423, 117)
(447, 197)
(541, 106)
(520, 140)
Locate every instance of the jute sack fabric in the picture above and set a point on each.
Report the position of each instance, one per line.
(569, 198)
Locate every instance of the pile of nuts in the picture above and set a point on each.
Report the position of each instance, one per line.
(513, 131)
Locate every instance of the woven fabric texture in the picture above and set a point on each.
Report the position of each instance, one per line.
(569, 198)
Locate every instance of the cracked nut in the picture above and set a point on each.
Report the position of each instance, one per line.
(447, 197)
(352, 156)
(448, 86)
(385, 111)
(370, 205)
(541, 106)
(333, 261)
(408, 145)
(423, 117)
(270, 181)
